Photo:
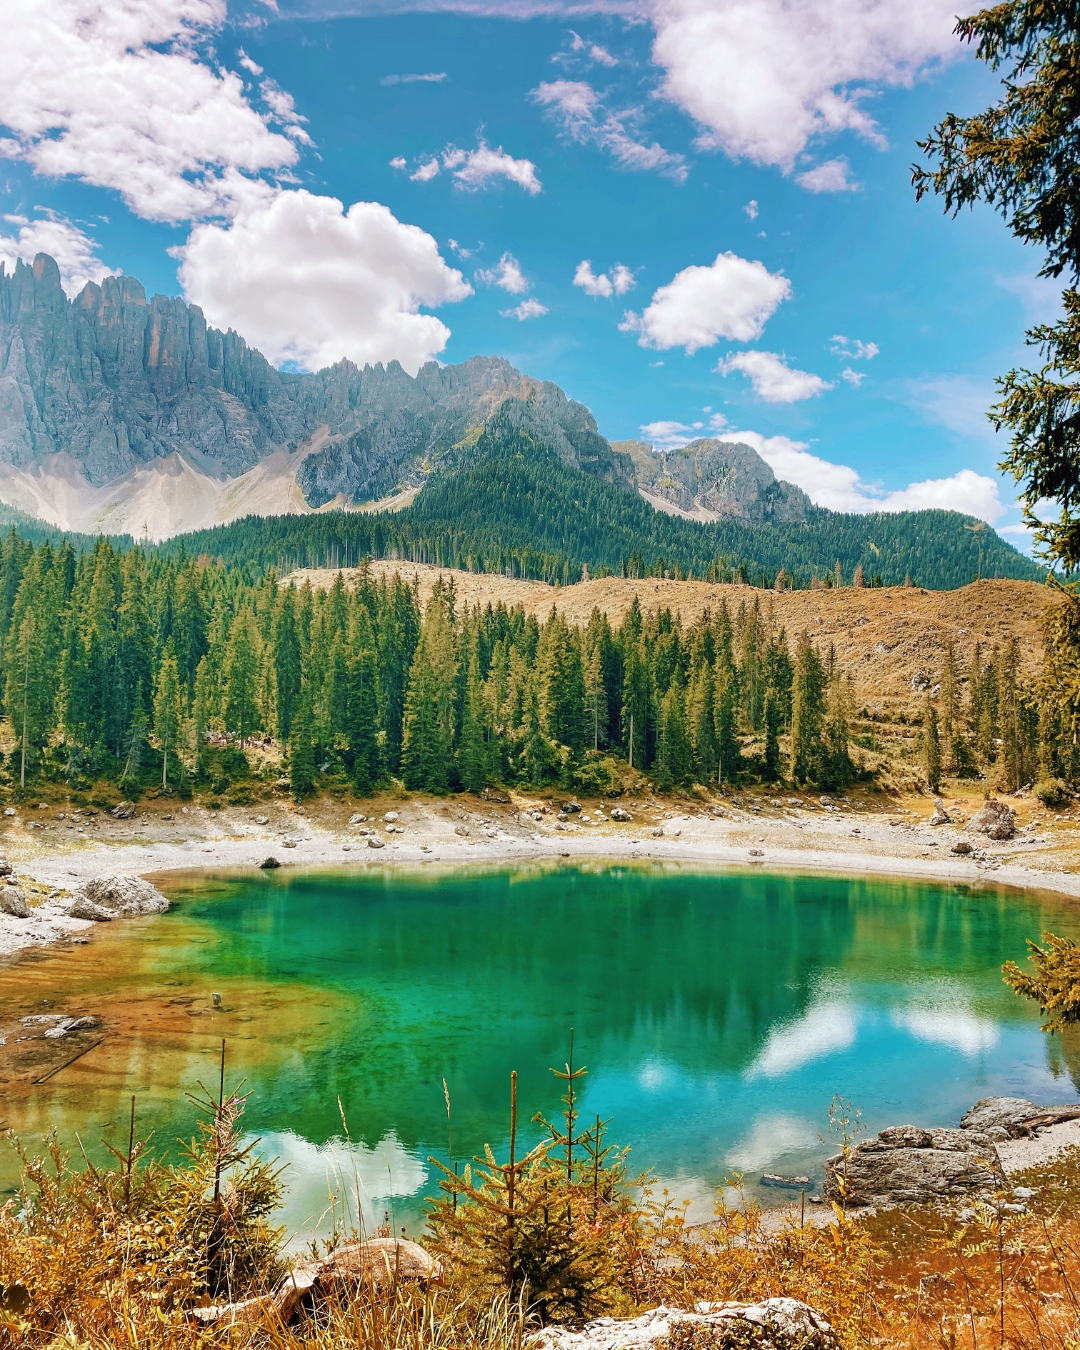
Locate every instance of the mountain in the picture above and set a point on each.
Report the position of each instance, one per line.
(117, 410)
(711, 480)
(511, 505)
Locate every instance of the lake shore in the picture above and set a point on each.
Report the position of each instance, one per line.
(54, 851)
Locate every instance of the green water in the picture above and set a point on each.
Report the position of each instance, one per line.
(717, 1015)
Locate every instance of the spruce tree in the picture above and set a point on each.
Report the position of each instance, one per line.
(807, 712)
(168, 709)
(241, 672)
(771, 768)
(931, 747)
(301, 750)
(285, 641)
(472, 752)
(674, 757)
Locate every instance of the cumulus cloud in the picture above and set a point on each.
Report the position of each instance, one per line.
(853, 377)
(483, 166)
(772, 378)
(853, 348)
(733, 298)
(122, 97)
(528, 309)
(618, 282)
(432, 78)
(426, 171)
(75, 252)
(506, 274)
(832, 176)
(751, 209)
(838, 486)
(115, 96)
(582, 116)
(307, 281)
(763, 77)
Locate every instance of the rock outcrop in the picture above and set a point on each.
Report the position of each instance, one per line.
(713, 480)
(94, 389)
(113, 897)
(909, 1165)
(772, 1324)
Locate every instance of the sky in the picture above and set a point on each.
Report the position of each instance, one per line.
(695, 216)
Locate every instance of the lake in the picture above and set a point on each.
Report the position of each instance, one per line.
(717, 1013)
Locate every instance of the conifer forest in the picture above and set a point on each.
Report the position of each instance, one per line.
(139, 667)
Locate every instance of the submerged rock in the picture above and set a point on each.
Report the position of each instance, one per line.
(117, 896)
(772, 1324)
(909, 1165)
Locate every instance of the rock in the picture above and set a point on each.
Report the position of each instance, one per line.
(391, 816)
(908, 1165)
(9, 810)
(940, 816)
(123, 810)
(82, 908)
(375, 842)
(66, 1024)
(262, 820)
(463, 830)
(122, 896)
(997, 819)
(5, 868)
(13, 902)
(490, 795)
(571, 807)
(381, 1261)
(620, 813)
(288, 843)
(357, 819)
(772, 1324)
(920, 681)
(961, 846)
(268, 864)
(757, 853)
(997, 1111)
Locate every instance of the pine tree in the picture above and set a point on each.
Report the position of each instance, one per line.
(728, 750)
(362, 724)
(168, 709)
(241, 671)
(771, 768)
(807, 712)
(700, 714)
(472, 753)
(285, 642)
(596, 697)
(931, 747)
(301, 750)
(428, 723)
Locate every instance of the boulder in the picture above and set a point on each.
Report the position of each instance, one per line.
(997, 819)
(571, 808)
(120, 896)
(268, 864)
(82, 908)
(940, 816)
(13, 902)
(621, 814)
(123, 810)
(375, 842)
(961, 846)
(997, 1112)
(6, 868)
(906, 1165)
(772, 1324)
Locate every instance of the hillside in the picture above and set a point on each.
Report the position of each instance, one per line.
(512, 506)
(883, 636)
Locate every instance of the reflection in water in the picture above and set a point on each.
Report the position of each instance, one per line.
(717, 1014)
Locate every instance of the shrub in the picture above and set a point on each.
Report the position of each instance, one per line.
(1051, 791)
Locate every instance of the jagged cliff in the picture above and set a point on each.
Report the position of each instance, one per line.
(713, 480)
(113, 406)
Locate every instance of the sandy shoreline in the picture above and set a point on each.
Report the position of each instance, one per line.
(52, 854)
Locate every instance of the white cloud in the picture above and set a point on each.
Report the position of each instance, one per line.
(249, 64)
(751, 209)
(583, 118)
(839, 487)
(426, 172)
(506, 274)
(763, 77)
(478, 168)
(75, 252)
(434, 77)
(620, 280)
(602, 56)
(853, 377)
(116, 96)
(306, 281)
(772, 378)
(768, 1140)
(121, 97)
(832, 176)
(732, 298)
(958, 402)
(853, 348)
(399, 162)
(528, 309)
(1039, 296)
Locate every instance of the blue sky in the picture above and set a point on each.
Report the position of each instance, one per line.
(850, 334)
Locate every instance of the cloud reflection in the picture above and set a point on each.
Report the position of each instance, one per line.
(822, 1030)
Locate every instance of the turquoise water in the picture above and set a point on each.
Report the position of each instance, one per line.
(717, 1015)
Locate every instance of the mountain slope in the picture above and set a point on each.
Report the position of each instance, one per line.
(512, 506)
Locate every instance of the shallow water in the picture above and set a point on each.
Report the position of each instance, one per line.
(717, 1015)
